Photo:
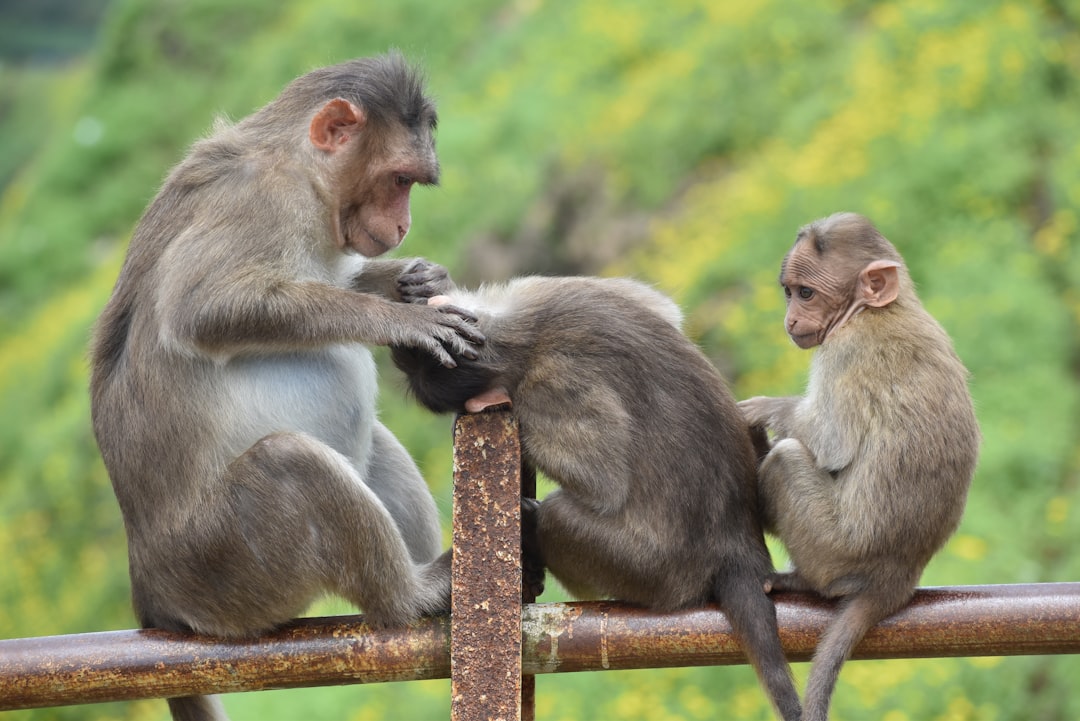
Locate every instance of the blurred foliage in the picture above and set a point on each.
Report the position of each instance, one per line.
(682, 142)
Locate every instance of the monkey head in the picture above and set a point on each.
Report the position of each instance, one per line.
(372, 167)
(839, 266)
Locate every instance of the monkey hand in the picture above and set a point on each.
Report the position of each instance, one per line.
(423, 279)
(757, 411)
(532, 560)
(446, 332)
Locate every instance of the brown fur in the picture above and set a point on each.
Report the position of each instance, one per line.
(232, 399)
(869, 471)
(657, 500)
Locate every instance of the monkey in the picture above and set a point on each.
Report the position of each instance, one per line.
(232, 393)
(867, 474)
(656, 471)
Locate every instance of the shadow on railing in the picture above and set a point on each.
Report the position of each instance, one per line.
(494, 638)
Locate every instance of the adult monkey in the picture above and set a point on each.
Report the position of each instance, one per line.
(657, 501)
(869, 471)
(232, 399)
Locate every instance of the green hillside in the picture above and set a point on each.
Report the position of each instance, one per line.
(681, 142)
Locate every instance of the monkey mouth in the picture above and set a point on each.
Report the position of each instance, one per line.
(367, 243)
(805, 340)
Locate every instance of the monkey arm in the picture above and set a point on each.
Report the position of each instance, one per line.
(403, 279)
(830, 431)
(579, 434)
(834, 439)
(232, 317)
(774, 414)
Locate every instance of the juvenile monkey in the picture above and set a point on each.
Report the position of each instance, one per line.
(869, 471)
(657, 502)
(231, 397)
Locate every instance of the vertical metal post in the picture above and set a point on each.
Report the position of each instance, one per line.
(485, 629)
(528, 681)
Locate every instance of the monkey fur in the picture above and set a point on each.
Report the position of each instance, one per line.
(232, 398)
(867, 474)
(657, 502)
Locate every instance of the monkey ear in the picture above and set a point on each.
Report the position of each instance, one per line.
(334, 124)
(879, 283)
(490, 399)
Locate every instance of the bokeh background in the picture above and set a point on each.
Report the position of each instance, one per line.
(682, 142)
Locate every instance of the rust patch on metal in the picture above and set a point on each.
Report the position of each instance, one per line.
(127, 665)
(485, 635)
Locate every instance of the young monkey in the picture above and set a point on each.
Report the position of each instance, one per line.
(868, 473)
(657, 502)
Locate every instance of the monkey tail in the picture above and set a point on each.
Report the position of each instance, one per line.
(858, 614)
(197, 708)
(753, 618)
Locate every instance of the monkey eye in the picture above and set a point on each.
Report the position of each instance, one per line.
(806, 293)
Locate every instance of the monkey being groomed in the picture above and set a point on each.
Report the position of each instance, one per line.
(867, 474)
(657, 502)
(231, 397)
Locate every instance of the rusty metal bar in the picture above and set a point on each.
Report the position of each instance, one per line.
(485, 632)
(1009, 620)
(1006, 620)
(128, 665)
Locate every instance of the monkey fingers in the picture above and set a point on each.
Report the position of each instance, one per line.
(467, 315)
(756, 410)
(423, 279)
(448, 341)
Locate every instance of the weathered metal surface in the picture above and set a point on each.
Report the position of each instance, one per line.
(939, 622)
(485, 636)
(1007, 620)
(126, 665)
(494, 640)
(528, 681)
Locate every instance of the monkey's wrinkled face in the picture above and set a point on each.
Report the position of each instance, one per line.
(379, 220)
(374, 214)
(817, 295)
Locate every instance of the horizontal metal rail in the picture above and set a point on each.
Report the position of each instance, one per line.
(1003, 620)
(496, 643)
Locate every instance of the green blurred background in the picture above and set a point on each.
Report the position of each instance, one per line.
(682, 142)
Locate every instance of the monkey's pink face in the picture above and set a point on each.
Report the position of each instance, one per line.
(379, 219)
(375, 216)
(373, 170)
(815, 300)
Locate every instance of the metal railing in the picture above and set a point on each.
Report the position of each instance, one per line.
(493, 643)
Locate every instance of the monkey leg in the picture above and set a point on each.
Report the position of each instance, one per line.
(354, 541)
(532, 558)
(615, 556)
(392, 474)
(800, 503)
(291, 519)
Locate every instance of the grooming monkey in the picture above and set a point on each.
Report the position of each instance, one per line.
(232, 399)
(657, 502)
(868, 473)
